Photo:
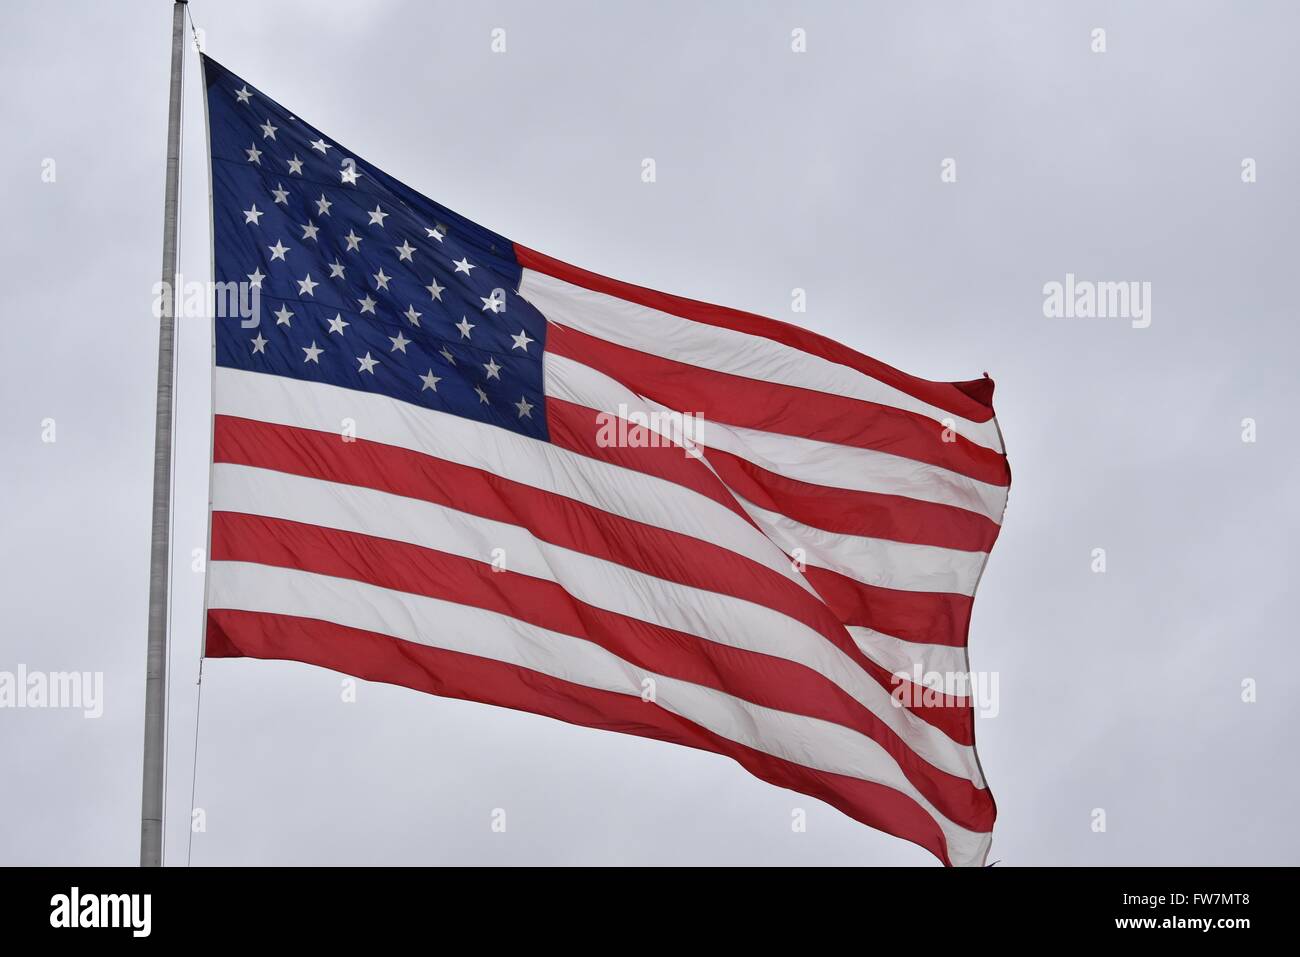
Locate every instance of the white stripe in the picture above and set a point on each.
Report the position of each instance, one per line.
(807, 460)
(873, 561)
(724, 350)
(863, 470)
(439, 624)
(898, 656)
(378, 418)
(713, 616)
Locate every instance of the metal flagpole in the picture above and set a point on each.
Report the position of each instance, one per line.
(155, 694)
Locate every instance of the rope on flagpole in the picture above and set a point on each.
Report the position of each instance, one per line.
(194, 30)
(198, 707)
(194, 767)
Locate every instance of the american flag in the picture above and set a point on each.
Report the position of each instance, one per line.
(446, 461)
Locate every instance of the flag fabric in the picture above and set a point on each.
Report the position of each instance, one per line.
(446, 461)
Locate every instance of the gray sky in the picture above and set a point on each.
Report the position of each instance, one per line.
(820, 170)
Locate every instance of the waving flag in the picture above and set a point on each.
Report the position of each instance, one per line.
(449, 462)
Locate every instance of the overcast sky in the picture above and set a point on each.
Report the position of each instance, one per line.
(820, 170)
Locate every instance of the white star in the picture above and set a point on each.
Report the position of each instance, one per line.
(367, 364)
(255, 277)
(242, 95)
(400, 342)
(464, 326)
(376, 215)
(404, 251)
(309, 231)
(268, 131)
(254, 154)
(354, 241)
(305, 286)
(525, 408)
(451, 359)
(430, 381)
(521, 341)
(348, 173)
(320, 145)
(482, 396)
(434, 289)
(463, 265)
(381, 280)
(259, 344)
(295, 165)
(412, 316)
(367, 305)
(323, 205)
(278, 251)
(493, 370)
(253, 214)
(435, 233)
(336, 269)
(281, 194)
(313, 352)
(494, 302)
(283, 316)
(337, 323)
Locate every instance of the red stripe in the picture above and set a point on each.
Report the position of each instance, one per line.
(971, 400)
(854, 512)
(577, 428)
(784, 409)
(552, 518)
(765, 680)
(837, 510)
(927, 617)
(376, 657)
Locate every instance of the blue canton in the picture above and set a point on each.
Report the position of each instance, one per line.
(364, 283)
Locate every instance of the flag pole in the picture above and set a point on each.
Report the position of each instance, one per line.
(155, 694)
